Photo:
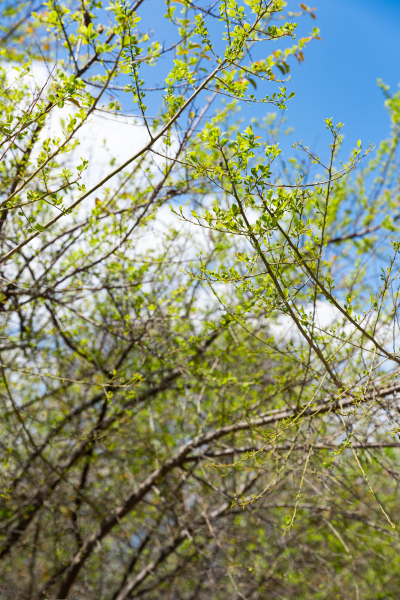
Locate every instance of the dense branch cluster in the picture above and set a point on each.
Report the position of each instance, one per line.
(196, 403)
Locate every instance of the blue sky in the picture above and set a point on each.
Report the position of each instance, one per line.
(360, 43)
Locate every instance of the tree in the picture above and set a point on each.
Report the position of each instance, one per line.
(200, 406)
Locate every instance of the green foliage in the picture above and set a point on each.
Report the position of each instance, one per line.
(196, 403)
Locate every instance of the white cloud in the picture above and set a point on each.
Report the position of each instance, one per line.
(102, 138)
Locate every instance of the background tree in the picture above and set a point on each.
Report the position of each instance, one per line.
(204, 405)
